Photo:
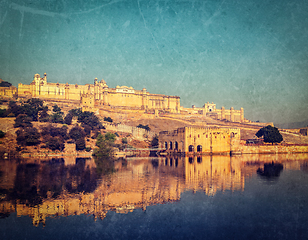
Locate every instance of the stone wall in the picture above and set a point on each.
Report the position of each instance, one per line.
(138, 133)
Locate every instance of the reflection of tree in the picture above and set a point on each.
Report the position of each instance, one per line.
(270, 170)
(304, 167)
(35, 182)
(25, 186)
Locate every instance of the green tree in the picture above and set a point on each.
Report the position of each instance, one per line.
(270, 134)
(103, 154)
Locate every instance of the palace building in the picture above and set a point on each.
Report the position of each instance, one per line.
(198, 140)
(97, 95)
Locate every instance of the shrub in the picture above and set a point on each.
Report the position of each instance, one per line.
(68, 119)
(108, 119)
(146, 127)
(76, 133)
(55, 143)
(23, 121)
(2, 134)
(80, 144)
(28, 136)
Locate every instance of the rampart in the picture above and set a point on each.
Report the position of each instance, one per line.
(136, 132)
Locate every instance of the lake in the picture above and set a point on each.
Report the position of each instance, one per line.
(205, 197)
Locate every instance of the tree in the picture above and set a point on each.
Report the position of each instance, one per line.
(2, 134)
(32, 107)
(43, 115)
(154, 142)
(108, 119)
(68, 119)
(55, 143)
(22, 120)
(75, 112)
(89, 118)
(146, 127)
(57, 118)
(80, 144)
(105, 146)
(270, 134)
(28, 136)
(76, 133)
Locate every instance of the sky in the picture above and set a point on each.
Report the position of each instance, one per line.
(235, 53)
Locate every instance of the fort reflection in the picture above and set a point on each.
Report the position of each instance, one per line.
(54, 189)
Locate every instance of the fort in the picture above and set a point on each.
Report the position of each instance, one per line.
(92, 97)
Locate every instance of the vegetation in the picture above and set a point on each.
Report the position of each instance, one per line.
(89, 118)
(2, 134)
(270, 134)
(68, 119)
(22, 121)
(108, 119)
(28, 136)
(5, 84)
(124, 140)
(57, 116)
(146, 127)
(103, 154)
(154, 142)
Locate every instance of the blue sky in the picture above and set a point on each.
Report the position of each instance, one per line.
(240, 53)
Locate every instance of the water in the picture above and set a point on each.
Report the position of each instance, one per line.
(242, 197)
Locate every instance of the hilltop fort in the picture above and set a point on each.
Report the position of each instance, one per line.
(92, 97)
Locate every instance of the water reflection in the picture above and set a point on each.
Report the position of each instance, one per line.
(54, 188)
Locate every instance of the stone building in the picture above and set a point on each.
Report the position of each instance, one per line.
(209, 109)
(96, 95)
(9, 92)
(198, 140)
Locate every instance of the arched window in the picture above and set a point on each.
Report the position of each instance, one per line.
(232, 134)
(170, 144)
(166, 162)
(190, 148)
(166, 145)
(176, 162)
(199, 159)
(190, 160)
(170, 162)
(199, 148)
(176, 146)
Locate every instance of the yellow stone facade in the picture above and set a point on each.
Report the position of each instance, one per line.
(94, 96)
(198, 140)
(209, 109)
(9, 92)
